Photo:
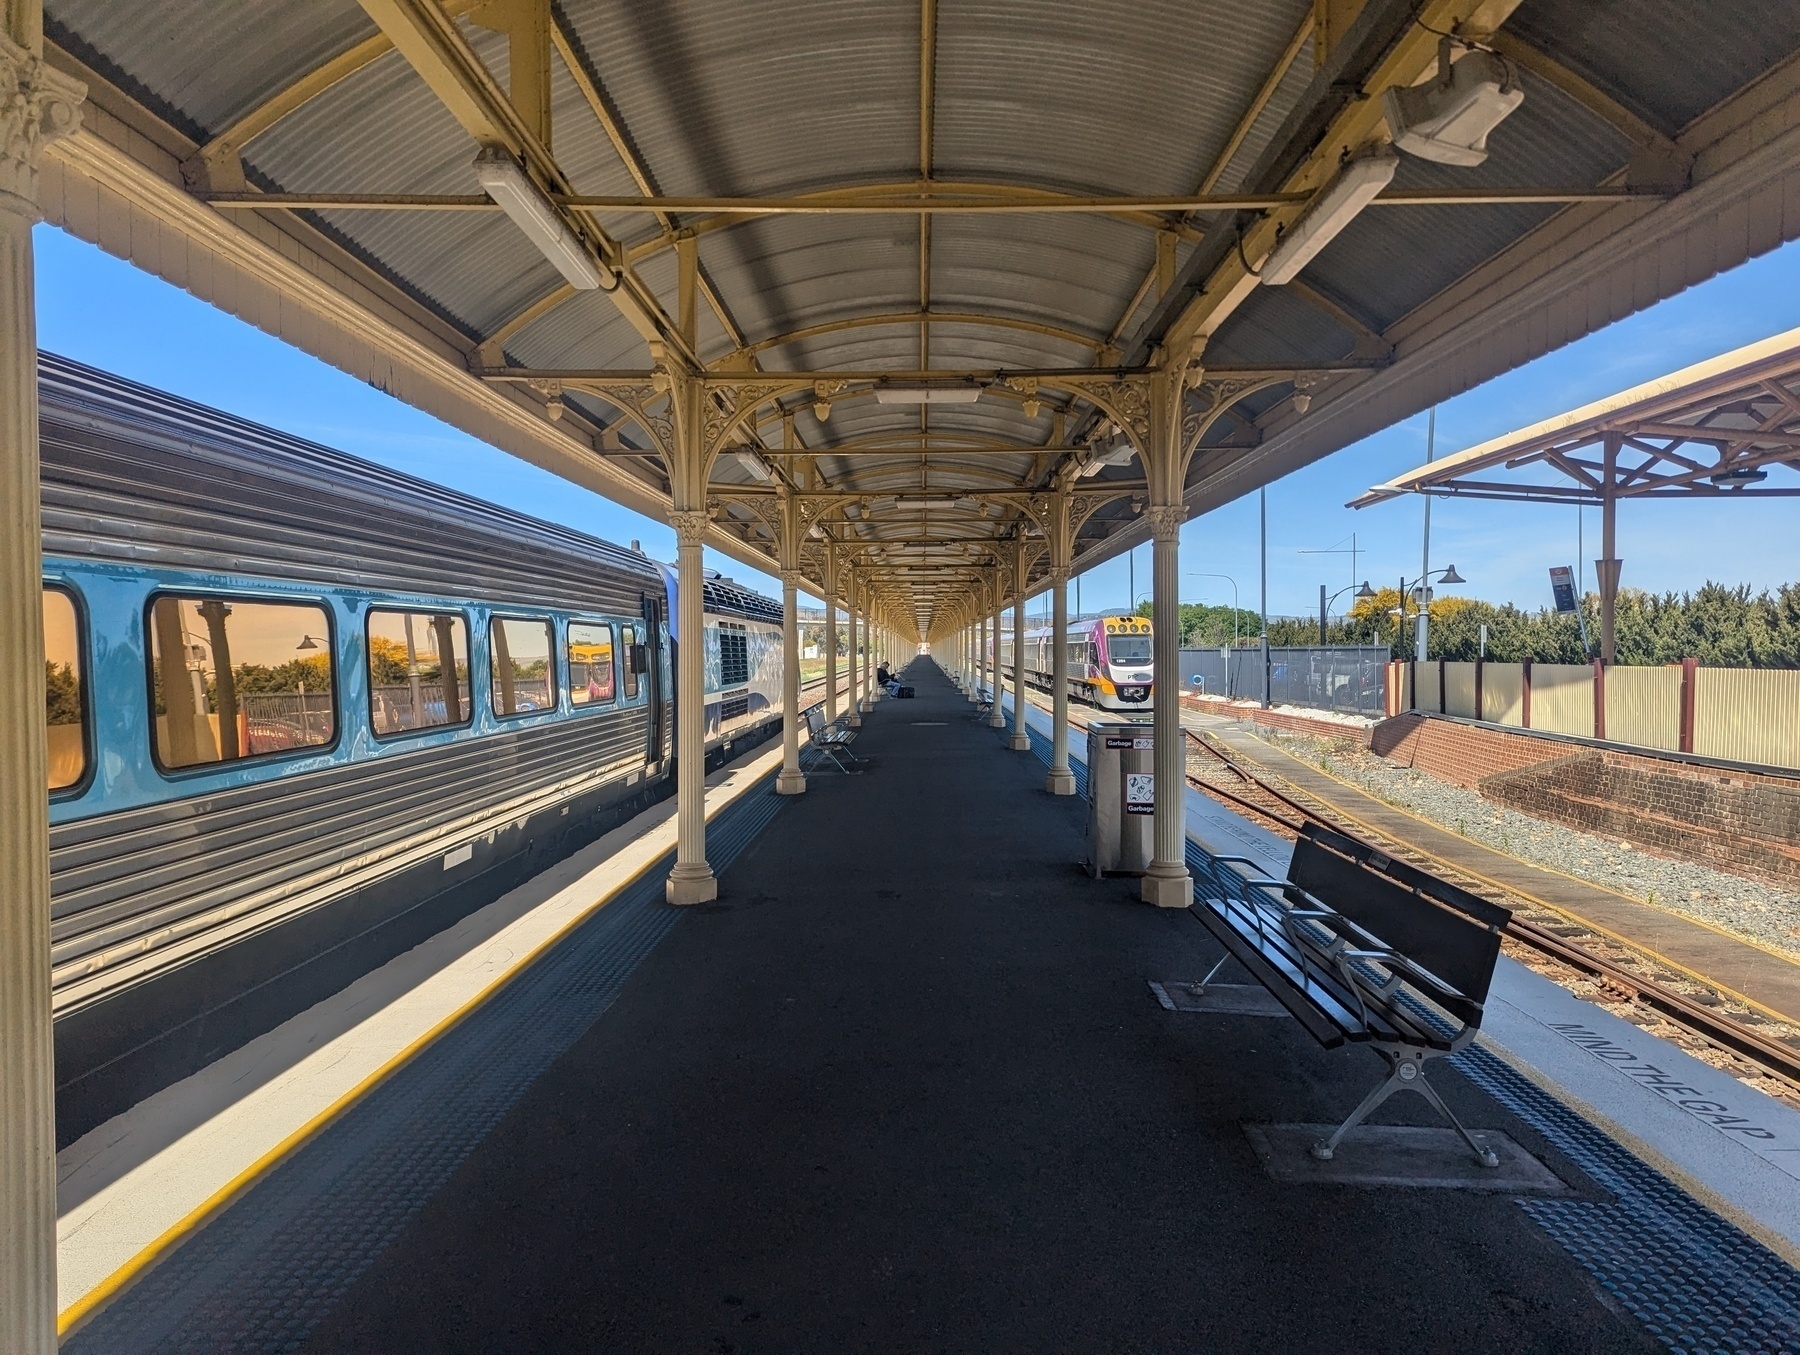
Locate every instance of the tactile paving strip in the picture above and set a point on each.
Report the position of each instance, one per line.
(1696, 1281)
(1045, 750)
(263, 1274)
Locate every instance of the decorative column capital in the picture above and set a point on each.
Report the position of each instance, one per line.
(791, 578)
(1060, 575)
(690, 525)
(38, 105)
(1165, 520)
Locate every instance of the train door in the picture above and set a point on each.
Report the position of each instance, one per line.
(656, 699)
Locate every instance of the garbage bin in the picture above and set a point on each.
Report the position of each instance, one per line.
(1121, 761)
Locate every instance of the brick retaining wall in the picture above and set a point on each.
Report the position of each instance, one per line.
(1460, 754)
(1742, 821)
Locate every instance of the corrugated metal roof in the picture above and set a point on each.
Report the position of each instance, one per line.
(211, 61)
(1097, 97)
(730, 98)
(1666, 60)
(1391, 259)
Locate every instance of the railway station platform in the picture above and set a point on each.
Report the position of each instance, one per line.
(905, 1086)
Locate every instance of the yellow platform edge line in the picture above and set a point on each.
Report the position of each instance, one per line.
(70, 1319)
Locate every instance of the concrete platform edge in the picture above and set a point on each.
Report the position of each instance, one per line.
(131, 1190)
(1723, 1172)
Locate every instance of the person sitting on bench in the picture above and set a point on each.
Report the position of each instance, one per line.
(887, 681)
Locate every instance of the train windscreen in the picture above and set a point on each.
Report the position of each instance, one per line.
(1128, 649)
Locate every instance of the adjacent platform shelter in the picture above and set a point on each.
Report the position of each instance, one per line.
(1726, 427)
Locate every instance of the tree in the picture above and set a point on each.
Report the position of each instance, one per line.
(62, 693)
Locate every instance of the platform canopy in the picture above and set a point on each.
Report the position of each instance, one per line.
(957, 295)
(1726, 426)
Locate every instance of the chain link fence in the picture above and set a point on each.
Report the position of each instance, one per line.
(1348, 678)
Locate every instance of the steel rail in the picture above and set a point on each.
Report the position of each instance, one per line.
(1772, 1056)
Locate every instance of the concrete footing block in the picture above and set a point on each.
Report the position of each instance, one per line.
(790, 783)
(682, 890)
(1168, 891)
(1060, 783)
(1019, 743)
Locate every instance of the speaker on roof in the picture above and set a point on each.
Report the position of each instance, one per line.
(1448, 119)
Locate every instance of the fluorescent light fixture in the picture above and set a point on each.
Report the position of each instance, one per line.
(1448, 119)
(927, 395)
(512, 190)
(754, 466)
(1333, 207)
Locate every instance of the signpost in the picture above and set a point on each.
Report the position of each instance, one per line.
(1562, 585)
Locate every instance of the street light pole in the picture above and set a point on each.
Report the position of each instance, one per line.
(1202, 574)
(1262, 511)
(1425, 557)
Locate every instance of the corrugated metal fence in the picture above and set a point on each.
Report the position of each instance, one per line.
(1736, 714)
(1349, 678)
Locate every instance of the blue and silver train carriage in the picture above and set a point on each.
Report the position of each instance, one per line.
(304, 712)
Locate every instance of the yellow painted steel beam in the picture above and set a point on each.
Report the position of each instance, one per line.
(601, 107)
(301, 92)
(909, 318)
(434, 46)
(1140, 208)
(1361, 121)
(1260, 101)
(1584, 92)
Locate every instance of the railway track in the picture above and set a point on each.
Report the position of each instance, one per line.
(1545, 932)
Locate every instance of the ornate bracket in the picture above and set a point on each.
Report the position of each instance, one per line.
(1217, 394)
(38, 105)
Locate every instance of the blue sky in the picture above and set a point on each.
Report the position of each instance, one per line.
(98, 310)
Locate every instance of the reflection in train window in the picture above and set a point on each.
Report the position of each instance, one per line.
(235, 678)
(634, 661)
(418, 670)
(65, 710)
(590, 664)
(519, 658)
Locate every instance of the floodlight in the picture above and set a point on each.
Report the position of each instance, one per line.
(1740, 476)
(1448, 120)
(927, 395)
(1332, 208)
(503, 180)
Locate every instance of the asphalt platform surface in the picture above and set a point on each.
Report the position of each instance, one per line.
(904, 1088)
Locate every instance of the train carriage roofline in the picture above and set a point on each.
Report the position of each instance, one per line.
(297, 510)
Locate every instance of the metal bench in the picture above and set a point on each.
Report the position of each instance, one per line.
(984, 702)
(830, 743)
(1361, 949)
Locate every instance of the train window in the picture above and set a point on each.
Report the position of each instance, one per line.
(234, 678)
(1129, 648)
(524, 681)
(628, 638)
(590, 664)
(65, 707)
(418, 670)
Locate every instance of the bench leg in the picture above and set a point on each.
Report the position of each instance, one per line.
(1198, 988)
(1406, 1072)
